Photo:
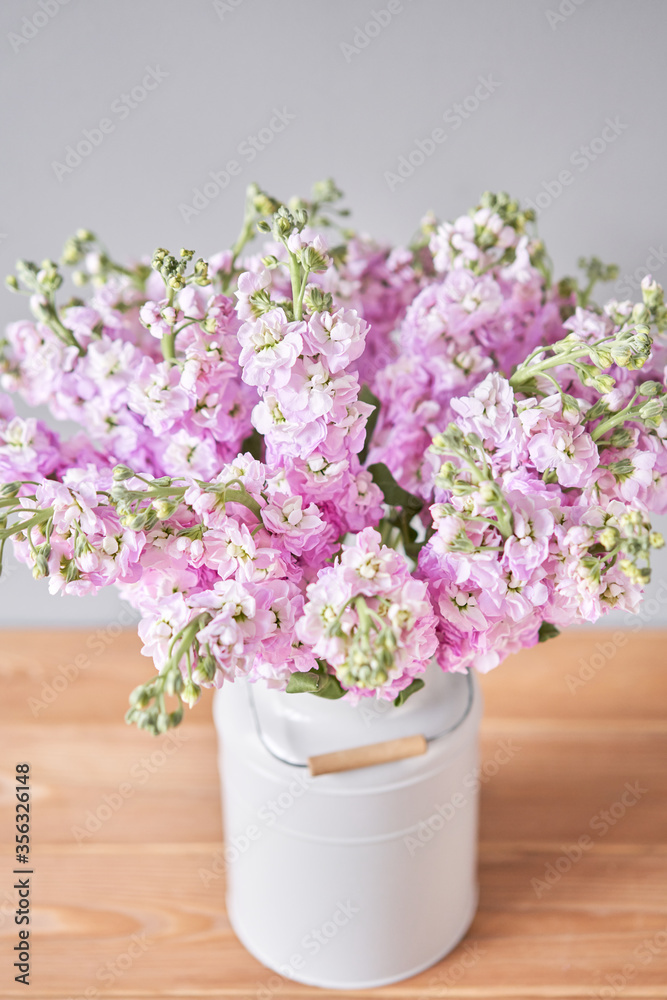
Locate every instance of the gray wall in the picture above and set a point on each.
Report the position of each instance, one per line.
(355, 101)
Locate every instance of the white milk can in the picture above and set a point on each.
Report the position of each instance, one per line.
(360, 878)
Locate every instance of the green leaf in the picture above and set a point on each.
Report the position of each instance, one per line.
(303, 682)
(331, 688)
(394, 494)
(547, 631)
(317, 682)
(366, 396)
(402, 696)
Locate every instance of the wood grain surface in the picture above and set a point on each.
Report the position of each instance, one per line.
(121, 908)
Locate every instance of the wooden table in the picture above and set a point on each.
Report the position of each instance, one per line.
(123, 824)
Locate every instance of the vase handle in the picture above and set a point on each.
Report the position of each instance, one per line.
(368, 755)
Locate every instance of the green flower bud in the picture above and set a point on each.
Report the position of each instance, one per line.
(71, 572)
(175, 718)
(164, 508)
(640, 313)
(12, 283)
(650, 388)
(207, 667)
(191, 694)
(651, 410)
(621, 353)
(40, 567)
(609, 538)
(570, 404)
(601, 356)
(489, 491)
(603, 383)
(313, 260)
(81, 545)
(163, 722)
(121, 473)
(620, 438)
(655, 540)
(315, 300)
(173, 681)
(141, 697)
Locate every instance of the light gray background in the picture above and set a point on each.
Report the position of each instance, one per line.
(559, 68)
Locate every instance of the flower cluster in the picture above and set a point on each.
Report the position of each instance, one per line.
(370, 618)
(320, 462)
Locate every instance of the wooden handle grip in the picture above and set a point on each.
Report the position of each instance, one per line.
(367, 756)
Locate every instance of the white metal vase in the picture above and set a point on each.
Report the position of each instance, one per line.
(360, 878)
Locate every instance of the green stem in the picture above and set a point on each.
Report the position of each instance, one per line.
(168, 342)
(613, 420)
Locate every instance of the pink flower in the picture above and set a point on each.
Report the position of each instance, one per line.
(269, 348)
(340, 337)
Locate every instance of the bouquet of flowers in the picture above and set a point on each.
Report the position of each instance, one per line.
(321, 462)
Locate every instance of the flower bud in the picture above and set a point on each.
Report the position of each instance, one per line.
(489, 492)
(164, 508)
(141, 697)
(651, 410)
(650, 388)
(191, 694)
(601, 356)
(570, 405)
(640, 313)
(609, 538)
(621, 438)
(206, 668)
(40, 567)
(173, 682)
(603, 383)
(121, 473)
(655, 540)
(71, 571)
